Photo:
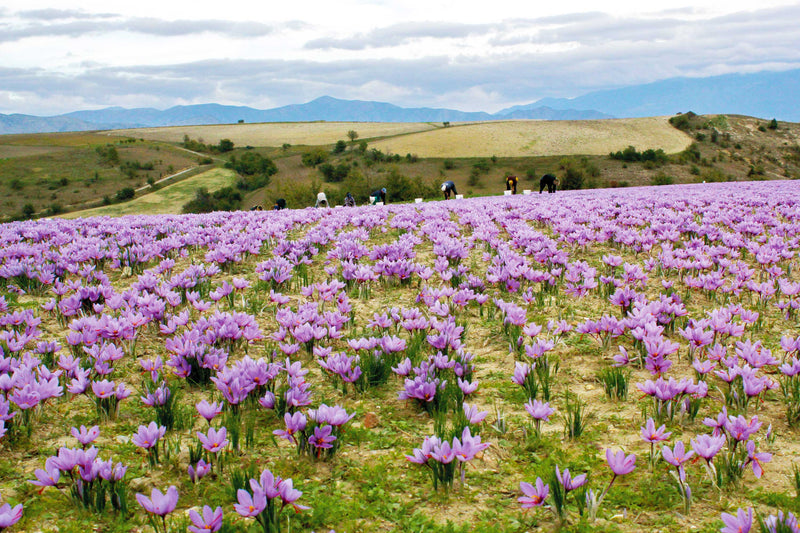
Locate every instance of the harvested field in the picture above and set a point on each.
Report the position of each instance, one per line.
(278, 133)
(521, 138)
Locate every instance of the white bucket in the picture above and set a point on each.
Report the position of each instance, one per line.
(526, 191)
(379, 203)
(417, 200)
(507, 193)
(459, 196)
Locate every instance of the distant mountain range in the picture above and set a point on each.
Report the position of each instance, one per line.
(763, 94)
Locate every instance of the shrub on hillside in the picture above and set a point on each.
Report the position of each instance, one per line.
(125, 193)
(662, 179)
(225, 199)
(314, 157)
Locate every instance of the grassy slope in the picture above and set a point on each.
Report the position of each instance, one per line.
(167, 200)
(65, 169)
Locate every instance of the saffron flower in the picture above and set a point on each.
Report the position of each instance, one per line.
(215, 440)
(158, 503)
(210, 522)
(741, 523)
(534, 495)
(619, 463)
(148, 436)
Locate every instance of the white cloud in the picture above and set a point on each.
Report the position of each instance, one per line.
(425, 54)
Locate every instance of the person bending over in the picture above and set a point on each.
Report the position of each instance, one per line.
(549, 181)
(511, 184)
(378, 196)
(448, 188)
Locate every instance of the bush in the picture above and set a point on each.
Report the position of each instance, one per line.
(662, 179)
(773, 125)
(401, 188)
(340, 147)
(108, 155)
(482, 166)
(16, 184)
(449, 164)
(682, 121)
(225, 145)
(225, 199)
(474, 177)
(530, 174)
(312, 158)
(125, 194)
(28, 211)
(255, 170)
(334, 174)
(573, 179)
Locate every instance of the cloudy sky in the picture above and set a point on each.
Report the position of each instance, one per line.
(412, 53)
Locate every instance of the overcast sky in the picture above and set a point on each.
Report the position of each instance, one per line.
(411, 53)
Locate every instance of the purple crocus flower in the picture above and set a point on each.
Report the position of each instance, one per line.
(756, 458)
(84, 436)
(619, 463)
(322, 437)
(210, 522)
(294, 423)
(250, 504)
(707, 446)
(9, 515)
(676, 456)
(215, 440)
(158, 503)
(534, 496)
(538, 410)
(147, 436)
(474, 416)
(198, 472)
(568, 482)
(208, 410)
(49, 476)
(652, 435)
(741, 523)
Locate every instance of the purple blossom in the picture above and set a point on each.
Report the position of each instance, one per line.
(534, 495)
(158, 503)
(741, 523)
(147, 436)
(215, 440)
(210, 522)
(619, 463)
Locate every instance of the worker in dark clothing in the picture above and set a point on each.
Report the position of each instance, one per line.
(448, 188)
(511, 184)
(378, 196)
(349, 201)
(280, 204)
(549, 181)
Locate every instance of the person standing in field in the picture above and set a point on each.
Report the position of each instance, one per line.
(378, 196)
(349, 201)
(448, 188)
(511, 184)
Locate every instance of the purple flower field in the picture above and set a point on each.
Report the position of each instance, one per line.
(605, 360)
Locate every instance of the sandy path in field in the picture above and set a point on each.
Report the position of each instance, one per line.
(278, 133)
(524, 138)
